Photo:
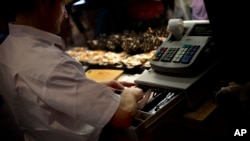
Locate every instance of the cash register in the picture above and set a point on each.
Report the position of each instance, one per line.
(180, 64)
(184, 71)
(181, 75)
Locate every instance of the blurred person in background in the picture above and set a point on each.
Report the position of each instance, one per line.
(198, 10)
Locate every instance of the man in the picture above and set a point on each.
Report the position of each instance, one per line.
(46, 90)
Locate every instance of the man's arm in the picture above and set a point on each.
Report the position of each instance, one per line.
(127, 109)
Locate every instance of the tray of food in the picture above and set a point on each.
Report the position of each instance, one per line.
(128, 51)
(109, 59)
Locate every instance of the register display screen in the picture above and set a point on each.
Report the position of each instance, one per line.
(201, 30)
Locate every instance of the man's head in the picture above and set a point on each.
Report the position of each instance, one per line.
(43, 14)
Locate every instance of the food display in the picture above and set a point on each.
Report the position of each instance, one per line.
(129, 41)
(127, 50)
(108, 58)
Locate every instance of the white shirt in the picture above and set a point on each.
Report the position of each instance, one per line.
(47, 90)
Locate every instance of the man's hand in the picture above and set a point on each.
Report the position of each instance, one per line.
(128, 107)
(113, 85)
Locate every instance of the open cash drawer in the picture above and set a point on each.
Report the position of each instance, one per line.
(161, 102)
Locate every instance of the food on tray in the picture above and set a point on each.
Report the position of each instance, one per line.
(129, 49)
(130, 41)
(101, 57)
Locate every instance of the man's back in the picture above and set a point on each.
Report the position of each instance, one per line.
(42, 87)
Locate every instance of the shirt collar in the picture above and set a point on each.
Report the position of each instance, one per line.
(15, 29)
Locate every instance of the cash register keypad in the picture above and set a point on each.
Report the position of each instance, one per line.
(176, 55)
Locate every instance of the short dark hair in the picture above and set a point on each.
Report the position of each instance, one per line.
(7, 12)
(21, 6)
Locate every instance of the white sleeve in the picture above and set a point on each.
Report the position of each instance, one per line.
(69, 91)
